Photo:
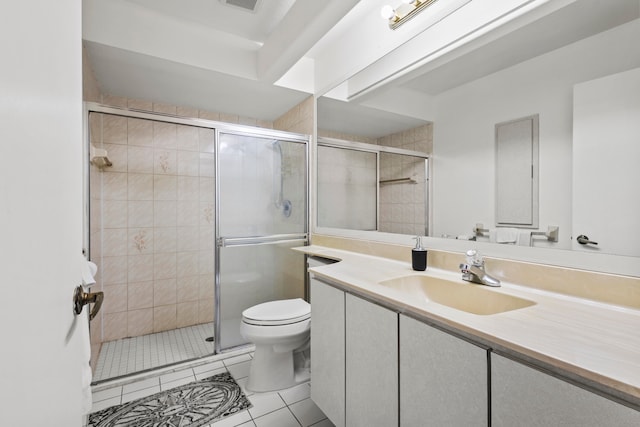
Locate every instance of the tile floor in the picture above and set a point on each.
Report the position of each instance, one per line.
(129, 355)
(287, 408)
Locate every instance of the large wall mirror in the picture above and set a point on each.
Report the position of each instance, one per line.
(577, 71)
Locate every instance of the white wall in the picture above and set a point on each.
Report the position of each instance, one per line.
(40, 212)
(606, 174)
(463, 156)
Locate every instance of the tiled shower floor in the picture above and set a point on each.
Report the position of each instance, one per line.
(129, 355)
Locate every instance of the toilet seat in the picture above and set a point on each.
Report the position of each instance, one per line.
(274, 313)
(280, 331)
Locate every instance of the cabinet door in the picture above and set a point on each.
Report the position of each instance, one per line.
(443, 379)
(328, 350)
(521, 395)
(372, 364)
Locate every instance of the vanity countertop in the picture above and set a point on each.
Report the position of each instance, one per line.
(592, 343)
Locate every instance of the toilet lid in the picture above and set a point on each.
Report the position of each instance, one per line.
(282, 312)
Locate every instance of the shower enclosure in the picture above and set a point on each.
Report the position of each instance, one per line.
(372, 187)
(190, 221)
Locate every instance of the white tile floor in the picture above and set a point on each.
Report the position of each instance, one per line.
(130, 355)
(292, 407)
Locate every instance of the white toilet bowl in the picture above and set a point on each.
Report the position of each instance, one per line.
(280, 331)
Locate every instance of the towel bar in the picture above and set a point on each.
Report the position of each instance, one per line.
(398, 181)
(551, 234)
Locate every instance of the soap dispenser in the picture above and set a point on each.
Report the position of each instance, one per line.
(419, 256)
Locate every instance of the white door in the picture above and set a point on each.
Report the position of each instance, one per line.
(40, 212)
(606, 149)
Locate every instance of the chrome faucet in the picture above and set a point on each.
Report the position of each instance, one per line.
(473, 270)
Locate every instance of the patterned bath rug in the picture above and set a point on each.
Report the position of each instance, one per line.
(191, 405)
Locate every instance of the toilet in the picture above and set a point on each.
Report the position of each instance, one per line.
(280, 331)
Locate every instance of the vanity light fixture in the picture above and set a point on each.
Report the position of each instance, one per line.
(407, 10)
(387, 12)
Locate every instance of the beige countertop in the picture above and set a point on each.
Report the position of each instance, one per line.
(594, 344)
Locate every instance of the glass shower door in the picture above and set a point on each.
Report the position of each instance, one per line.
(262, 211)
(347, 188)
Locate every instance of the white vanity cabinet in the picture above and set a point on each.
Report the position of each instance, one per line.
(371, 363)
(328, 350)
(521, 395)
(371, 366)
(443, 378)
(354, 358)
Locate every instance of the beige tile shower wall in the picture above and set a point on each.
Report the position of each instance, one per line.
(153, 220)
(298, 120)
(90, 87)
(183, 111)
(416, 139)
(402, 205)
(346, 136)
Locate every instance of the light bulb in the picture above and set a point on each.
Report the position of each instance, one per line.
(387, 12)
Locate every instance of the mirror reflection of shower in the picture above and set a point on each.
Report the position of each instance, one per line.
(278, 181)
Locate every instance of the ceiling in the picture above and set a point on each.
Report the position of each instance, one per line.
(213, 56)
(254, 25)
(130, 74)
(355, 119)
(574, 22)
(205, 53)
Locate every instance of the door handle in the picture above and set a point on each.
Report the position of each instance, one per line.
(82, 298)
(584, 240)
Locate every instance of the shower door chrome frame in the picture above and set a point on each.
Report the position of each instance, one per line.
(216, 126)
(222, 241)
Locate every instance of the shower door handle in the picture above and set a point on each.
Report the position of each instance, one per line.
(82, 298)
(224, 242)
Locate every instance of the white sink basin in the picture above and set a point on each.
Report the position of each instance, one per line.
(471, 298)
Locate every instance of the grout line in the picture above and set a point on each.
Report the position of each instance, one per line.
(253, 419)
(139, 348)
(294, 415)
(130, 355)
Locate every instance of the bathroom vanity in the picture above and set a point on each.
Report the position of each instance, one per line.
(384, 353)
